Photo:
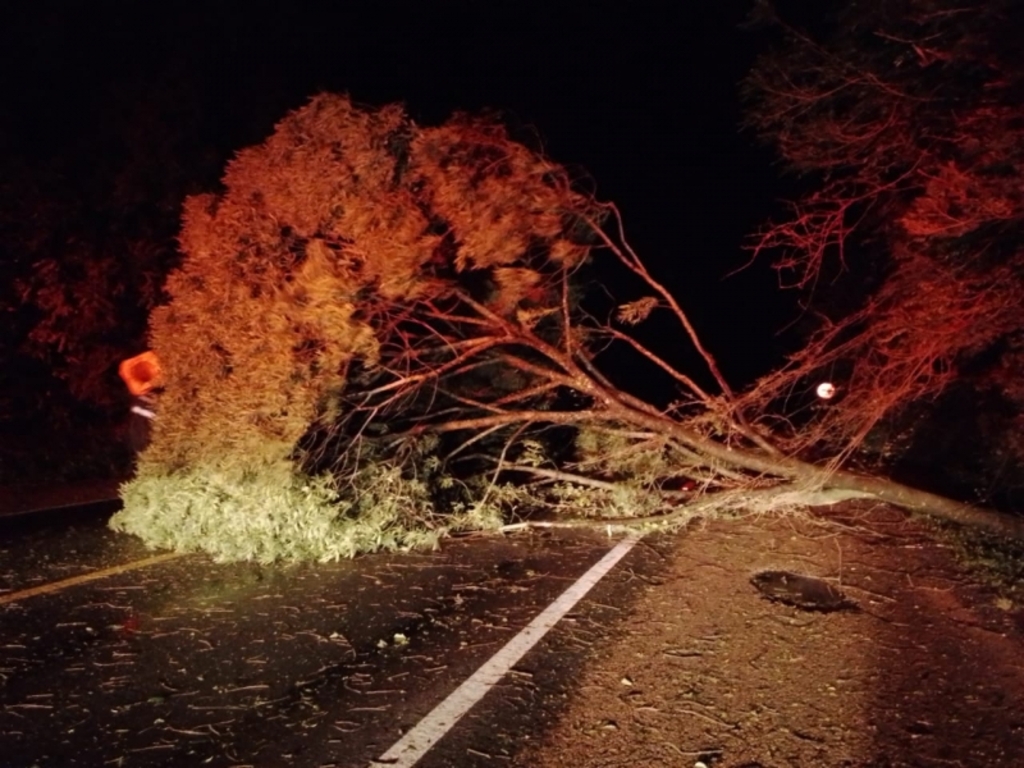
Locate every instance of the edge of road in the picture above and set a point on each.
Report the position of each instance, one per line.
(17, 501)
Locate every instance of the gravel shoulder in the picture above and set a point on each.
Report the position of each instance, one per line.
(924, 670)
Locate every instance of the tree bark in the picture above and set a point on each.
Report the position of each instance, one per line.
(915, 500)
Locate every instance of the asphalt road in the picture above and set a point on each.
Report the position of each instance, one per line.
(186, 662)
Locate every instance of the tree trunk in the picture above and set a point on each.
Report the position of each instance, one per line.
(795, 470)
(919, 501)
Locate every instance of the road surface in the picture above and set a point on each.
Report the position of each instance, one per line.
(113, 655)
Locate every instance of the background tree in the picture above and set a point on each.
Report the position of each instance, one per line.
(905, 126)
(377, 337)
(87, 237)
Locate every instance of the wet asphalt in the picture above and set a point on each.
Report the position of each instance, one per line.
(191, 663)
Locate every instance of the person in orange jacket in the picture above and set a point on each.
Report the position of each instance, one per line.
(144, 378)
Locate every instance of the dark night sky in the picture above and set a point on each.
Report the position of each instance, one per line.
(639, 95)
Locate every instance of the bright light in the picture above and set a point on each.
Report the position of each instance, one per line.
(826, 390)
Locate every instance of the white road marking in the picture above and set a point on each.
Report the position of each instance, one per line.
(408, 750)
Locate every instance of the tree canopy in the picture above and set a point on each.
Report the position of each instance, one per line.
(904, 124)
(316, 263)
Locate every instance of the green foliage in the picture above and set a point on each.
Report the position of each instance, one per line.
(274, 514)
(997, 561)
(617, 455)
(622, 501)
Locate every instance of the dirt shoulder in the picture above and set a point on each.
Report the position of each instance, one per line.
(927, 670)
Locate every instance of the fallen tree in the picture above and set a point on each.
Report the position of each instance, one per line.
(379, 336)
(623, 446)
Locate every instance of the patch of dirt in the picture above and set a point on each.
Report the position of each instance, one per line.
(925, 669)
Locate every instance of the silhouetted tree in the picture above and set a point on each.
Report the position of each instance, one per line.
(905, 124)
(88, 225)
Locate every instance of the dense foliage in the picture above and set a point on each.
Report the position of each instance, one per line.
(309, 269)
